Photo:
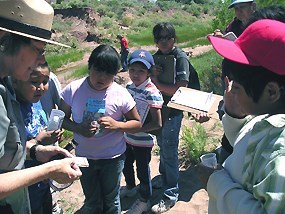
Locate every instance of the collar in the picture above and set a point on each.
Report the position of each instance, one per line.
(277, 120)
(143, 85)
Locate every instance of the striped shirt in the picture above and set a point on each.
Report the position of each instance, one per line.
(253, 180)
(147, 91)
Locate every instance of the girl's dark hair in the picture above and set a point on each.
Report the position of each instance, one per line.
(11, 43)
(253, 78)
(163, 26)
(106, 59)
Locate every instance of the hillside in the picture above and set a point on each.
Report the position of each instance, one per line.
(84, 26)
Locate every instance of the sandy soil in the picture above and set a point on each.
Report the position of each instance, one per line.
(193, 199)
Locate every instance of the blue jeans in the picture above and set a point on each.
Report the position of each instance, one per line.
(101, 185)
(168, 141)
(142, 156)
(124, 59)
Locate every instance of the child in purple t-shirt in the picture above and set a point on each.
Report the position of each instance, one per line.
(97, 99)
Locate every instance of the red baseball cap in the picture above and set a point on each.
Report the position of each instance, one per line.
(261, 44)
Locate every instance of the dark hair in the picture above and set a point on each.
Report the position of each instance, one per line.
(163, 26)
(105, 58)
(44, 65)
(275, 12)
(253, 78)
(11, 43)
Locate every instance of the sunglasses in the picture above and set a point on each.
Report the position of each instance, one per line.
(163, 38)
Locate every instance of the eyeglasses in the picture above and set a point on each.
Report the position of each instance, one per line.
(163, 38)
(39, 51)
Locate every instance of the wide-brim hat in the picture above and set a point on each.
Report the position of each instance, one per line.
(261, 44)
(234, 2)
(28, 18)
(142, 56)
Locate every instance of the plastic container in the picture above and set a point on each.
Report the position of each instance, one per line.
(209, 160)
(55, 120)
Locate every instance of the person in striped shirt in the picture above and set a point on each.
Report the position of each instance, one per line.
(139, 145)
(252, 178)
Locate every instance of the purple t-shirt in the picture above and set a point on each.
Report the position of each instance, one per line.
(88, 104)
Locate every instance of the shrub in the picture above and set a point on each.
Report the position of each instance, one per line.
(194, 141)
(223, 15)
(127, 21)
(105, 22)
(208, 67)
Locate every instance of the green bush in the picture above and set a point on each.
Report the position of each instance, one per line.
(127, 21)
(194, 141)
(62, 26)
(105, 22)
(208, 67)
(223, 15)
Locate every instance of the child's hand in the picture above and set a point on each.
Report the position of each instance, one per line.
(49, 137)
(85, 129)
(109, 123)
(201, 117)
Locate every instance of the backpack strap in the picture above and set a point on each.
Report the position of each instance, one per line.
(193, 82)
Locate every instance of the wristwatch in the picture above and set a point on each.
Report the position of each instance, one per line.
(33, 151)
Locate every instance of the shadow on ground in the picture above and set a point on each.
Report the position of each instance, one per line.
(188, 185)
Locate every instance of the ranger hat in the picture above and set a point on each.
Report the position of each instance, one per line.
(28, 18)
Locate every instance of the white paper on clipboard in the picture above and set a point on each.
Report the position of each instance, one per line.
(142, 108)
(195, 99)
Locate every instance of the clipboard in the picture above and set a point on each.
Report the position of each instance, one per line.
(230, 36)
(196, 101)
(167, 62)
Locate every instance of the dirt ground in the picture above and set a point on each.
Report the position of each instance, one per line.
(192, 199)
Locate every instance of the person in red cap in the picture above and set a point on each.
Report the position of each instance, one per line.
(252, 178)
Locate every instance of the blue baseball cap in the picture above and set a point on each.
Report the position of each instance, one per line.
(142, 56)
(234, 2)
